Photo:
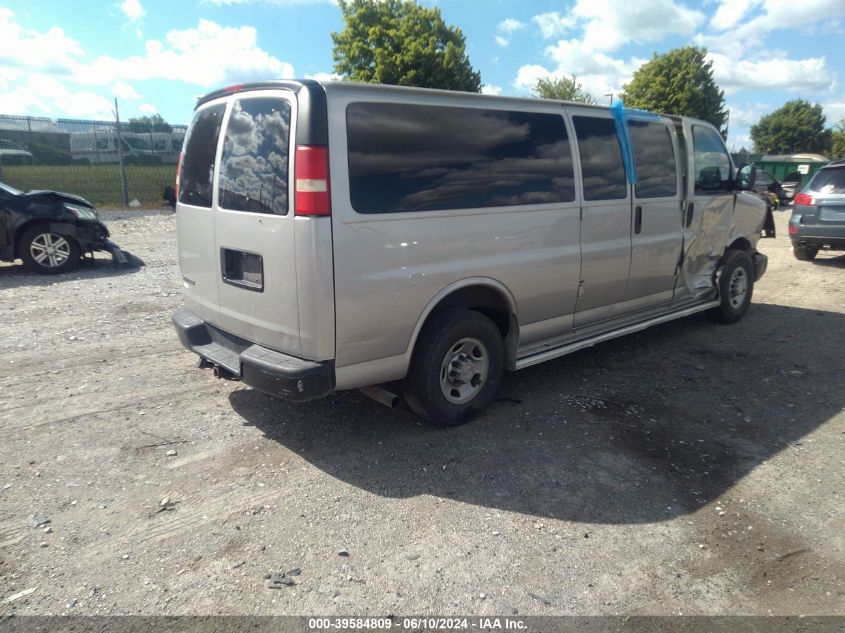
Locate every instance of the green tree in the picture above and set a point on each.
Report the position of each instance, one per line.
(154, 123)
(399, 42)
(678, 82)
(837, 140)
(797, 126)
(563, 89)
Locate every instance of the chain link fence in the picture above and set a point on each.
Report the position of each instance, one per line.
(110, 164)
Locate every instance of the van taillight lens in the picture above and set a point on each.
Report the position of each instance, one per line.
(178, 171)
(311, 175)
(804, 199)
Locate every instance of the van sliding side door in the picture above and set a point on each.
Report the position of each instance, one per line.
(605, 218)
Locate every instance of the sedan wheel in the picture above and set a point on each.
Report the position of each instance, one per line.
(47, 252)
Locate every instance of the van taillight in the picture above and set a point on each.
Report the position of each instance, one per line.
(804, 199)
(178, 171)
(311, 175)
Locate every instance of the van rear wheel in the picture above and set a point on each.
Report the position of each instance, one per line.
(736, 285)
(456, 368)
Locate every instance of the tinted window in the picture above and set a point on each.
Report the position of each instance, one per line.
(712, 164)
(254, 165)
(654, 159)
(602, 169)
(427, 158)
(198, 158)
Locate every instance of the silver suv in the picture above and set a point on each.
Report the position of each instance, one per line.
(818, 213)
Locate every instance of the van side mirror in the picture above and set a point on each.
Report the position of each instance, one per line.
(746, 176)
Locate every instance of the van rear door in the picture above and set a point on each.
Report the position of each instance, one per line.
(194, 217)
(254, 221)
(236, 222)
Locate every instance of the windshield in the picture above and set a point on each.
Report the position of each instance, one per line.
(10, 190)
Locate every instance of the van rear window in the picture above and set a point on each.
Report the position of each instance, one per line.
(429, 158)
(254, 165)
(198, 158)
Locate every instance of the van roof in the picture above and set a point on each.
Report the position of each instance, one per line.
(330, 86)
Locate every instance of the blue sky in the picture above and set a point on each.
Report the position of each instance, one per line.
(69, 59)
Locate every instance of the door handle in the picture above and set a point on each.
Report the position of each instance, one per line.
(688, 219)
(638, 219)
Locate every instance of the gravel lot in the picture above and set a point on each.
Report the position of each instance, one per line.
(691, 468)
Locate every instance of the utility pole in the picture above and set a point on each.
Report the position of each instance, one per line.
(124, 190)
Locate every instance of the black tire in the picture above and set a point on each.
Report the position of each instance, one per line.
(736, 286)
(48, 252)
(451, 348)
(805, 253)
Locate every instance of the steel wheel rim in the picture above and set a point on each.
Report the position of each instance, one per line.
(738, 288)
(464, 370)
(49, 250)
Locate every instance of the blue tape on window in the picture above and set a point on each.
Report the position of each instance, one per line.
(621, 114)
(622, 132)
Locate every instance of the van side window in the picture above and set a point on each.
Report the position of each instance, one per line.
(198, 158)
(654, 159)
(712, 163)
(254, 165)
(602, 169)
(427, 158)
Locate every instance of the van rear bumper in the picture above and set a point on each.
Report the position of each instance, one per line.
(274, 373)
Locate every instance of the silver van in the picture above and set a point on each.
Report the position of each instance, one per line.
(338, 236)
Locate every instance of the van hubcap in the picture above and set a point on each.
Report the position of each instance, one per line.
(49, 250)
(464, 370)
(738, 288)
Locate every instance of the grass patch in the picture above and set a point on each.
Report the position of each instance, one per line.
(99, 184)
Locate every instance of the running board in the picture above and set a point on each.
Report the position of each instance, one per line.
(568, 348)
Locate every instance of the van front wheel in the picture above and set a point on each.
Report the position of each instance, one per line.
(456, 368)
(736, 286)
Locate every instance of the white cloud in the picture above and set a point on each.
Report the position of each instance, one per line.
(553, 23)
(506, 28)
(132, 9)
(123, 90)
(730, 12)
(147, 108)
(510, 25)
(325, 77)
(799, 75)
(42, 72)
(597, 72)
(490, 89)
(834, 110)
(208, 55)
(272, 3)
(43, 94)
(610, 24)
(21, 47)
(527, 76)
(776, 15)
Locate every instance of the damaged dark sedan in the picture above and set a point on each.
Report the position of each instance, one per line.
(50, 231)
